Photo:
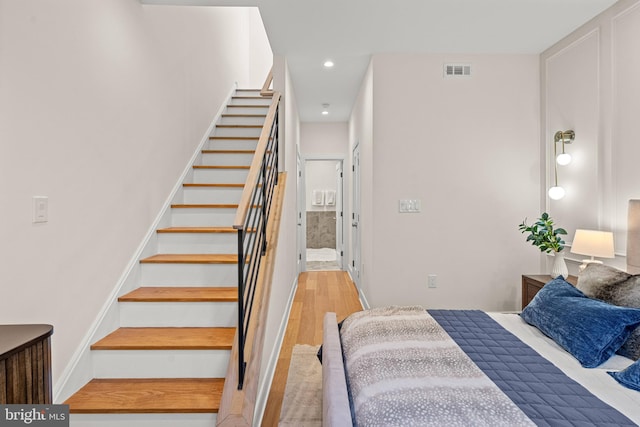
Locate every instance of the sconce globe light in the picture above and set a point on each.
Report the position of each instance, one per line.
(556, 192)
(565, 137)
(563, 159)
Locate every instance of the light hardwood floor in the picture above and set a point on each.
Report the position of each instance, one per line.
(318, 292)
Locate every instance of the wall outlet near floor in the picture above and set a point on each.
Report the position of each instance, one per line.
(432, 280)
(40, 209)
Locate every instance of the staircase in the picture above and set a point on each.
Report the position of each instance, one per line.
(165, 364)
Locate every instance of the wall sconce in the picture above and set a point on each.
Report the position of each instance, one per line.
(593, 243)
(565, 137)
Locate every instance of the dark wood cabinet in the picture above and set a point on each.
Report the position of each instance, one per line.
(532, 283)
(25, 364)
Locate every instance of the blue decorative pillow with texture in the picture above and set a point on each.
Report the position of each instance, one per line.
(629, 377)
(591, 330)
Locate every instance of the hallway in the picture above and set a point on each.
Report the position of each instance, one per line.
(318, 292)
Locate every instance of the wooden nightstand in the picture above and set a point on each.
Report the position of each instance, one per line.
(532, 283)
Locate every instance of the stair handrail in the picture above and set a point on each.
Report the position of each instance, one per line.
(251, 224)
(265, 91)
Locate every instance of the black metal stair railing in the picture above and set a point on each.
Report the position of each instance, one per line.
(251, 225)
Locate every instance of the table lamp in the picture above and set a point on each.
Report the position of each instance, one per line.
(593, 243)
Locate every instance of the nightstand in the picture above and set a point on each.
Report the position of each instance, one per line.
(532, 283)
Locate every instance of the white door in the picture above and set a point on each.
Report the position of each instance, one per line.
(339, 216)
(355, 217)
(302, 235)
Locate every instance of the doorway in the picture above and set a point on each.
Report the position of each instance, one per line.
(321, 211)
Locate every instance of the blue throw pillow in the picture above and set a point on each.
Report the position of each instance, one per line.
(591, 330)
(630, 377)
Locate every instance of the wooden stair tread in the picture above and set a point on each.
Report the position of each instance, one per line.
(181, 294)
(163, 338)
(205, 206)
(147, 395)
(191, 259)
(239, 126)
(248, 106)
(197, 230)
(244, 115)
(228, 151)
(192, 184)
(250, 138)
(219, 167)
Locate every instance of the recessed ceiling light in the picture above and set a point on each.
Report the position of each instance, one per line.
(325, 109)
(325, 113)
(328, 63)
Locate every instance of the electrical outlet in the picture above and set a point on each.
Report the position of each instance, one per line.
(432, 281)
(40, 209)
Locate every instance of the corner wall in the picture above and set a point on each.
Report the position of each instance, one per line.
(590, 84)
(101, 106)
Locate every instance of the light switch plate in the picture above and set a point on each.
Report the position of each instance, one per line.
(409, 205)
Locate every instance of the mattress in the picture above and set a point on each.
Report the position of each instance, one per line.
(582, 396)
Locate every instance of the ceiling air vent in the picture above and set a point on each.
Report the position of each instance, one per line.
(457, 70)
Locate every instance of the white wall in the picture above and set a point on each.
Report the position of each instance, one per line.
(260, 54)
(320, 175)
(101, 105)
(468, 149)
(320, 141)
(590, 83)
(285, 269)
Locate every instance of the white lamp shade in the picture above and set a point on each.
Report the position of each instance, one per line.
(556, 193)
(593, 243)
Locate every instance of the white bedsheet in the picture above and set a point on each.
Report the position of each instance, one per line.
(596, 380)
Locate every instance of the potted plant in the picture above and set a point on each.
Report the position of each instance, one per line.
(547, 238)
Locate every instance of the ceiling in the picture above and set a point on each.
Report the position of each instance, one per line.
(308, 32)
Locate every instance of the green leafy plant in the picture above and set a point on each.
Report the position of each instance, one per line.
(543, 235)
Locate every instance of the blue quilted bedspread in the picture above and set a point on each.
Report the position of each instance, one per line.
(540, 389)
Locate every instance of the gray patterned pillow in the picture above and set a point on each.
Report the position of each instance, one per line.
(615, 287)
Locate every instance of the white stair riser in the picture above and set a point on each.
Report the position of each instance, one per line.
(197, 243)
(142, 420)
(241, 131)
(227, 159)
(178, 314)
(197, 217)
(246, 110)
(248, 100)
(160, 363)
(231, 144)
(231, 120)
(220, 176)
(189, 274)
(212, 195)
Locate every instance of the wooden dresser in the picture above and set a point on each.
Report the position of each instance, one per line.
(532, 283)
(25, 364)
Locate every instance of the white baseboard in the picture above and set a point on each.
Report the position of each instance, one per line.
(79, 369)
(265, 385)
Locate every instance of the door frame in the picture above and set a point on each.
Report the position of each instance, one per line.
(301, 238)
(302, 205)
(354, 266)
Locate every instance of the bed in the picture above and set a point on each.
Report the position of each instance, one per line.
(568, 360)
